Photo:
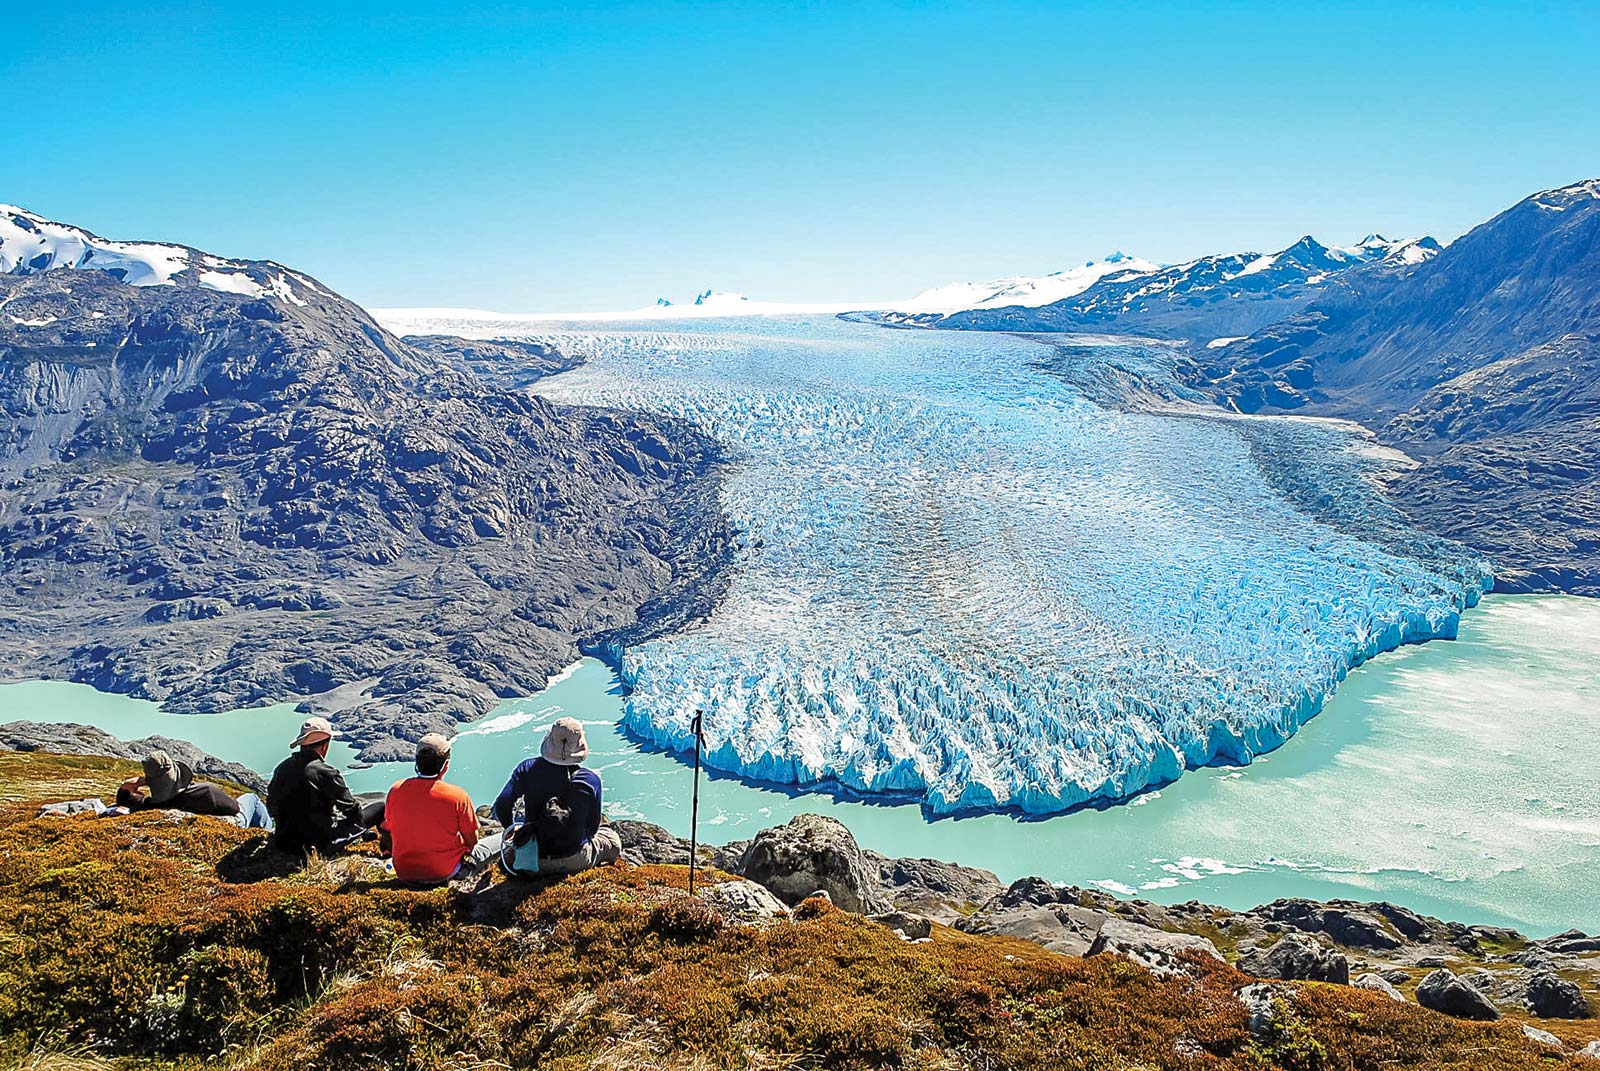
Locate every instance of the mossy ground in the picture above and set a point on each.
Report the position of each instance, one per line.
(141, 940)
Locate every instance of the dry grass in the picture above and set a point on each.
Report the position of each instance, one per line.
(121, 937)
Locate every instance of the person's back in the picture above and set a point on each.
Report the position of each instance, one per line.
(561, 805)
(300, 822)
(432, 825)
(311, 806)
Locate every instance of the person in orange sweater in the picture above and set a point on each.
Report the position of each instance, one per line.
(432, 824)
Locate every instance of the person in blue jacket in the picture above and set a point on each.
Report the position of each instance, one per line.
(561, 831)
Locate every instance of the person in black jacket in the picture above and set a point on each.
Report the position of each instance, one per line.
(312, 808)
(169, 784)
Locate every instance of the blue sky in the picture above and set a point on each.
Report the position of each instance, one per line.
(595, 157)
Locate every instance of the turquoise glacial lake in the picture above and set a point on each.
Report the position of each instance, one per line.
(1459, 778)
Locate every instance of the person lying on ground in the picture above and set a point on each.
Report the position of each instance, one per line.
(169, 784)
(561, 831)
(432, 824)
(311, 806)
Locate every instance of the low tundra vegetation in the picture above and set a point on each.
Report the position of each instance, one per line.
(148, 941)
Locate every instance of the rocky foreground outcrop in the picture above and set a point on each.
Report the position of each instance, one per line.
(166, 937)
(1389, 949)
(217, 497)
(72, 739)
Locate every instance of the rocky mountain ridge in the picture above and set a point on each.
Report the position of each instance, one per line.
(1483, 363)
(1221, 295)
(216, 498)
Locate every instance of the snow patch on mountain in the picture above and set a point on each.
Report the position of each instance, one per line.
(30, 243)
(1026, 291)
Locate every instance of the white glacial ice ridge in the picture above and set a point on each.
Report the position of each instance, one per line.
(1026, 291)
(30, 243)
(968, 584)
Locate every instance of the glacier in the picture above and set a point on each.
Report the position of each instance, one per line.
(992, 572)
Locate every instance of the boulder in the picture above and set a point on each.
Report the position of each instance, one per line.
(1160, 951)
(1543, 1037)
(1260, 1002)
(909, 926)
(1346, 925)
(743, 902)
(932, 886)
(646, 842)
(1444, 992)
(1569, 942)
(1064, 928)
(812, 853)
(1551, 996)
(1298, 957)
(1378, 984)
(1591, 1050)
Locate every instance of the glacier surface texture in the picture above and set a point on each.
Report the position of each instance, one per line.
(973, 580)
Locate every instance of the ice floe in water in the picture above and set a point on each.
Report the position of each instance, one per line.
(970, 583)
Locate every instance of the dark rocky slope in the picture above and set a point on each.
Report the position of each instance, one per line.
(214, 499)
(1483, 363)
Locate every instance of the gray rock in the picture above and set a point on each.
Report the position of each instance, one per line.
(646, 842)
(743, 902)
(931, 886)
(1591, 1050)
(74, 739)
(1157, 950)
(1395, 976)
(1346, 925)
(1260, 1002)
(1543, 1037)
(1297, 956)
(909, 926)
(1063, 928)
(1444, 992)
(812, 853)
(1571, 942)
(1378, 984)
(1551, 996)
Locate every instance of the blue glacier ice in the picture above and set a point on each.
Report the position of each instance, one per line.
(973, 580)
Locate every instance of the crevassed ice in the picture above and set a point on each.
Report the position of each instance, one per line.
(969, 583)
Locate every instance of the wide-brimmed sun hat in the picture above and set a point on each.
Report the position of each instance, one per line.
(164, 776)
(565, 745)
(313, 731)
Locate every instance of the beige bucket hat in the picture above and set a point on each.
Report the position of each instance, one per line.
(565, 745)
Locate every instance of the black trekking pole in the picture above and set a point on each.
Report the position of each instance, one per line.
(694, 809)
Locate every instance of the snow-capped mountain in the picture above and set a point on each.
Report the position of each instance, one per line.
(30, 244)
(1222, 295)
(1024, 290)
(1483, 362)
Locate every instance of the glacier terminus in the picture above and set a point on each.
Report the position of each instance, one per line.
(977, 576)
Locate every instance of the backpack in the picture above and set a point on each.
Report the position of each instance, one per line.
(552, 832)
(555, 827)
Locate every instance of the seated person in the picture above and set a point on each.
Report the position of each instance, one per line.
(432, 825)
(172, 786)
(561, 809)
(311, 806)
